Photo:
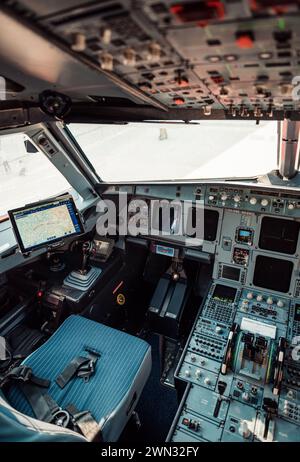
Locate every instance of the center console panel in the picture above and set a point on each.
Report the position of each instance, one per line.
(242, 383)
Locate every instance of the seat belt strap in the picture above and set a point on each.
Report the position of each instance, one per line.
(45, 408)
(81, 366)
(85, 422)
(23, 374)
(43, 405)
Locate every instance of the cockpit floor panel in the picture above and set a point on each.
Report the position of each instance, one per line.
(157, 406)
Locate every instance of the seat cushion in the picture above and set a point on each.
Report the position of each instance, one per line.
(120, 375)
(19, 428)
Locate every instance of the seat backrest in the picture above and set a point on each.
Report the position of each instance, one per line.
(17, 427)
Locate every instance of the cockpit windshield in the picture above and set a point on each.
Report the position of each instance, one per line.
(170, 151)
(26, 175)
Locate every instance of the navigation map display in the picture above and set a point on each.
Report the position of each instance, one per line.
(41, 224)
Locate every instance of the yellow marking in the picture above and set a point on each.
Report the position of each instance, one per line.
(121, 299)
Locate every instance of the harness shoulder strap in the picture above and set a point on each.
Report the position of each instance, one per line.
(23, 374)
(45, 408)
(42, 404)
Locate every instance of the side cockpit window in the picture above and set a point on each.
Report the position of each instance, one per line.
(26, 175)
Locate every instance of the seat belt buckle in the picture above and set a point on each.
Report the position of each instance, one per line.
(24, 374)
(86, 371)
(61, 418)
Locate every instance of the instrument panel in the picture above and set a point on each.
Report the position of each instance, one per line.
(240, 366)
(253, 242)
(270, 200)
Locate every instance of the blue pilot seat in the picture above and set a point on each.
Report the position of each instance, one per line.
(110, 393)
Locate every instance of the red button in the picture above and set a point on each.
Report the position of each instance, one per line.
(244, 41)
(183, 81)
(178, 101)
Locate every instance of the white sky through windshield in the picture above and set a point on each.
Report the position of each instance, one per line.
(26, 177)
(152, 151)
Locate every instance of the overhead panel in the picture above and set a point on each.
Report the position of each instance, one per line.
(240, 56)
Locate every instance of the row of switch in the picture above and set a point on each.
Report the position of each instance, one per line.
(237, 198)
(269, 300)
(291, 410)
(253, 200)
(198, 374)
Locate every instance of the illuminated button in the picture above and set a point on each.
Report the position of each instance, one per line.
(211, 198)
(219, 330)
(230, 58)
(178, 101)
(259, 298)
(253, 200)
(237, 198)
(182, 80)
(280, 304)
(291, 206)
(270, 301)
(245, 396)
(187, 373)
(224, 197)
(265, 55)
(250, 295)
(214, 58)
(244, 40)
(264, 202)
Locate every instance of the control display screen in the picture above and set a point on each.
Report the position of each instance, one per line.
(224, 293)
(279, 235)
(163, 250)
(272, 273)
(161, 224)
(211, 220)
(165, 218)
(43, 223)
(229, 272)
(241, 256)
(297, 312)
(244, 236)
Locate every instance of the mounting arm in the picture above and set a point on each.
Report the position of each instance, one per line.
(288, 148)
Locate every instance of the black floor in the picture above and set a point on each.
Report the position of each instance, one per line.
(156, 408)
